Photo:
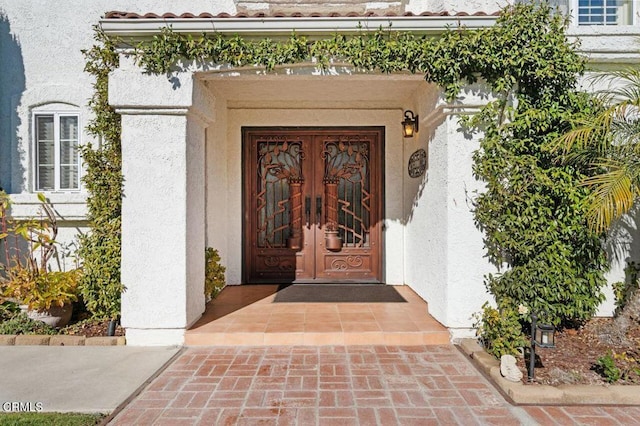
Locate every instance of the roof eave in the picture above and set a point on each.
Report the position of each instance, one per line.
(278, 26)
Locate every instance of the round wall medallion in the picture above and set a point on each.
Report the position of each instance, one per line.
(417, 163)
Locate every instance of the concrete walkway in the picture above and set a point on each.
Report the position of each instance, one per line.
(339, 385)
(83, 379)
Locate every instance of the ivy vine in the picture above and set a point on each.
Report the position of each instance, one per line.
(101, 286)
(532, 212)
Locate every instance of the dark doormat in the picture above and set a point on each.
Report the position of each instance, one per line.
(337, 293)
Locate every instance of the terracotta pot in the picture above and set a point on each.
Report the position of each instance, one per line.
(332, 241)
(56, 316)
(294, 243)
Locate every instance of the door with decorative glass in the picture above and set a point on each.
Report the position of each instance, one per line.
(313, 204)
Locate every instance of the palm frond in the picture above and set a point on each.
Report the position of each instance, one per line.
(622, 85)
(613, 193)
(605, 143)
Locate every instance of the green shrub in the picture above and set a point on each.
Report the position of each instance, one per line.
(214, 280)
(100, 287)
(606, 367)
(533, 212)
(614, 367)
(20, 323)
(8, 309)
(500, 330)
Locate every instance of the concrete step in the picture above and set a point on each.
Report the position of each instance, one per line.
(318, 339)
(247, 316)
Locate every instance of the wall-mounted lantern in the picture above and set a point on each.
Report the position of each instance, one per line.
(409, 124)
(542, 335)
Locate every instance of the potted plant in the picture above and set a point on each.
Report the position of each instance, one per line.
(46, 296)
(332, 240)
(28, 278)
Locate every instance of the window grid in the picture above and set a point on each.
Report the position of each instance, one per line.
(604, 12)
(57, 160)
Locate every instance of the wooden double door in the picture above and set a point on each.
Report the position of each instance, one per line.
(313, 204)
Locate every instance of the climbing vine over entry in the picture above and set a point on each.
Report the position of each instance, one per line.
(101, 286)
(532, 212)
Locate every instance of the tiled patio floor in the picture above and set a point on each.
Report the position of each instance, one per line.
(246, 315)
(339, 385)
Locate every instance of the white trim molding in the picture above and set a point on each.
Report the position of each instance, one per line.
(285, 26)
(607, 44)
(69, 206)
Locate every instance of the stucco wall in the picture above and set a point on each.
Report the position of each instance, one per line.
(217, 182)
(70, 210)
(426, 225)
(444, 254)
(41, 63)
(162, 269)
(466, 262)
(163, 209)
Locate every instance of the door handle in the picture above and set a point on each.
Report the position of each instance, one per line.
(307, 209)
(319, 209)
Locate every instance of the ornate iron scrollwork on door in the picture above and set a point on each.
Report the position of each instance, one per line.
(347, 188)
(312, 204)
(279, 196)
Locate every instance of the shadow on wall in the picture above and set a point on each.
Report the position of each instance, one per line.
(418, 185)
(12, 85)
(623, 245)
(428, 129)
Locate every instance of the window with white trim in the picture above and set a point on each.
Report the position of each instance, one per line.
(56, 151)
(605, 12)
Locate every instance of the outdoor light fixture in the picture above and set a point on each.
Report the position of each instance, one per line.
(542, 335)
(409, 124)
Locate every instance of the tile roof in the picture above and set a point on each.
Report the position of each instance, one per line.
(130, 15)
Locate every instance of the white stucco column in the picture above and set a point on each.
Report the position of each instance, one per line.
(445, 258)
(466, 261)
(163, 210)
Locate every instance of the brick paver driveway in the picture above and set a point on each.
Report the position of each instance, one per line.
(341, 385)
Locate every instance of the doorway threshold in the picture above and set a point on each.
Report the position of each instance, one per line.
(246, 315)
